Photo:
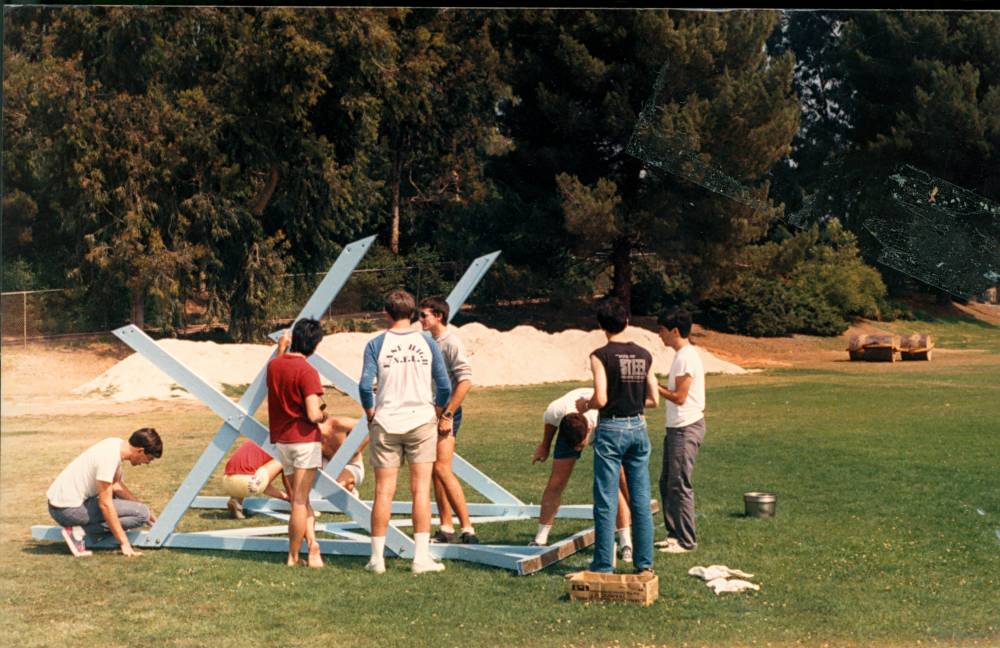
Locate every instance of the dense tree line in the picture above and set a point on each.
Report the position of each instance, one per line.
(156, 155)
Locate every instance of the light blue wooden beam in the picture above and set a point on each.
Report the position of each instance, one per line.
(238, 419)
(476, 509)
(473, 275)
(252, 398)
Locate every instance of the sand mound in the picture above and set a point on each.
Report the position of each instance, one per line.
(522, 356)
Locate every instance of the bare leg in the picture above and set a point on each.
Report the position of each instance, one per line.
(385, 490)
(420, 483)
(451, 488)
(301, 521)
(551, 498)
(624, 517)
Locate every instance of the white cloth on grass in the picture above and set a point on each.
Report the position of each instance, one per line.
(717, 577)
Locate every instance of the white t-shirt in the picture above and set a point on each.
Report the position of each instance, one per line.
(78, 480)
(687, 362)
(566, 404)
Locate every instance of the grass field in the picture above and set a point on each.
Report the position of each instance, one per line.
(887, 533)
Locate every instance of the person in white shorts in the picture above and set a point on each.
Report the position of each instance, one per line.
(295, 407)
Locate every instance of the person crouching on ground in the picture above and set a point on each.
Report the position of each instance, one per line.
(294, 408)
(250, 471)
(89, 497)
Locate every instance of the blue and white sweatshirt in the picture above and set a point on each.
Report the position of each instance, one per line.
(412, 379)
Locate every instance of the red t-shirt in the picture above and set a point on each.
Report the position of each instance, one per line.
(247, 459)
(289, 380)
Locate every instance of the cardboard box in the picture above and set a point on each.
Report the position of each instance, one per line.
(641, 588)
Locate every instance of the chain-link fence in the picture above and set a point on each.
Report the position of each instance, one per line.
(33, 315)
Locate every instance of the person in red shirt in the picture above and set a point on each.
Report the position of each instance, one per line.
(295, 408)
(250, 471)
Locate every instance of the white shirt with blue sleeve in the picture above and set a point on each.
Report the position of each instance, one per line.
(412, 379)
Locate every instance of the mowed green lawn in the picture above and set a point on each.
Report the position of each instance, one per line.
(886, 533)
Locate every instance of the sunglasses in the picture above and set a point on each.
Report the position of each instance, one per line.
(424, 315)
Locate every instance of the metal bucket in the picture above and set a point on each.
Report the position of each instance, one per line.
(759, 504)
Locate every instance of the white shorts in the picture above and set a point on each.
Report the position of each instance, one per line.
(246, 485)
(299, 455)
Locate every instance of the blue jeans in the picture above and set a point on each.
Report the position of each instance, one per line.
(621, 443)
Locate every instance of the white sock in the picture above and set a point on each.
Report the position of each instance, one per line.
(378, 549)
(542, 537)
(469, 529)
(422, 552)
(625, 537)
(448, 528)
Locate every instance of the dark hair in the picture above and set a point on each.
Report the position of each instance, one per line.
(573, 429)
(612, 315)
(676, 318)
(148, 440)
(438, 306)
(306, 336)
(400, 305)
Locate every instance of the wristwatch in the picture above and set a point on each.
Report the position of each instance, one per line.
(448, 414)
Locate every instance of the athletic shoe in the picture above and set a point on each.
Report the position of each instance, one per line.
(536, 544)
(675, 549)
(443, 537)
(73, 535)
(235, 508)
(665, 543)
(627, 554)
(426, 566)
(469, 538)
(376, 567)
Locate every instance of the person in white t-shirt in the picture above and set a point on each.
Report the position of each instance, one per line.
(572, 432)
(685, 398)
(89, 497)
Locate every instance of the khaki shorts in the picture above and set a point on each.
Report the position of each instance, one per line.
(300, 455)
(419, 445)
(246, 485)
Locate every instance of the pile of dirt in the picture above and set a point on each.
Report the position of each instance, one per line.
(521, 356)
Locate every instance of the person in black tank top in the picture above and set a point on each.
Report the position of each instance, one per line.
(624, 384)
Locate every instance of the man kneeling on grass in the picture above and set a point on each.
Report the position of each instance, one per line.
(90, 497)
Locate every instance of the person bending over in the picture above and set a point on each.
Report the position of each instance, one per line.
(89, 497)
(248, 472)
(572, 432)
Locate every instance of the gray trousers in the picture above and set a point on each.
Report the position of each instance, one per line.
(680, 448)
(89, 516)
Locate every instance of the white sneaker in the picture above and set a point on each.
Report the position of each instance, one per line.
(376, 567)
(425, 566)
(675, 549)
(627, 554)
(665, 543)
